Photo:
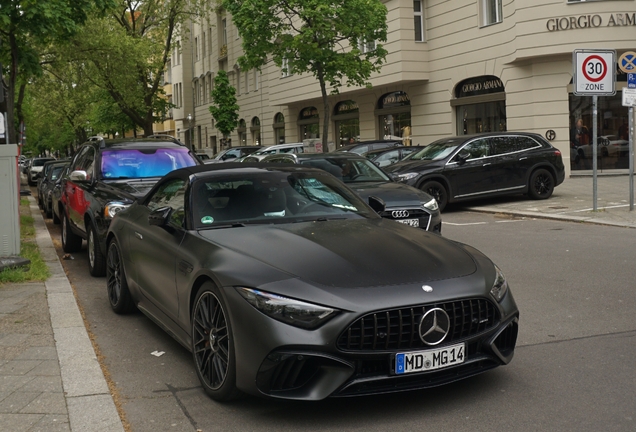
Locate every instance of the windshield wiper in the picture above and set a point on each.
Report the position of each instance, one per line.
(232, 225)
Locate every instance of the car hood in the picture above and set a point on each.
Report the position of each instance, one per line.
(134, 188)
(348, 253)
(393, 194)
(413, 166)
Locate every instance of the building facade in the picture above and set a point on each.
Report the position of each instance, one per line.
(453, 67)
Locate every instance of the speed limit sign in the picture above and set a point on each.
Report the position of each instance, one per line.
(594, 72)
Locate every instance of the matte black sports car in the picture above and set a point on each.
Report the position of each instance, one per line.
(283, 282)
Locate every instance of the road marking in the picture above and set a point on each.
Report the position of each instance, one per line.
(464, 224)
(516, 220)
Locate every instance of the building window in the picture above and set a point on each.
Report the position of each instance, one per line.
(418, 16)
(196, 48)
(203, 41)
(481, 105)
(284, 68)
(256, 131)
(256, 79)
(242, 134)
(394, 115)
(308, 122)
(247, 82)
(346, 118)
(366, 47)
(491, 12)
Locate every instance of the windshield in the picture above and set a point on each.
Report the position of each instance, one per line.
(436, 151)
(273, 197)
(349, 170)
(134, 164)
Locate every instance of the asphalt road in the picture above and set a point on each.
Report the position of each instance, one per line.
(574, 367)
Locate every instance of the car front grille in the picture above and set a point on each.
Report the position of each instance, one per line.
(413, 213)
(398, 329)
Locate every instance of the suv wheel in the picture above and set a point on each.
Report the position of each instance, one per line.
(437, 191)
(541, 184)
(71, 242)
(96, 259)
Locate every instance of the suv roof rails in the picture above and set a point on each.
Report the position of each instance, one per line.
(166, 136)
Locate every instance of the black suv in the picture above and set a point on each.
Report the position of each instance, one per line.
(105, 177)
(483, 165)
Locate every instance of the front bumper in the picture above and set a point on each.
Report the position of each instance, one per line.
(277, 360)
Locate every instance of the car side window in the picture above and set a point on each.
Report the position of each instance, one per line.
(388, 158)
(282, 160)
(88, 163)
(171, 194)
(477, 149)
(77, 162)
(505, 144)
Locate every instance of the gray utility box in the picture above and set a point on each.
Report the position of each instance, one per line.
(9, 201)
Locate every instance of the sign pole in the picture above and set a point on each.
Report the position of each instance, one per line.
(631, 158)
(594, 152)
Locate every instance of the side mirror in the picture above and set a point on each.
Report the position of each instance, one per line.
(377, 204)
(462, 157)
(160, 216)
(78, 175)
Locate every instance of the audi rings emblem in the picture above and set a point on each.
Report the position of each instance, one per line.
(400, 214)
(434, 326)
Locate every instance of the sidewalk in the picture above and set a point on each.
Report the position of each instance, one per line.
(50, 379)
(572, 201)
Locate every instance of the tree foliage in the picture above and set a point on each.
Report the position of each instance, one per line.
(126, 53)
(224, 109)
(320, 37)
(27, 29)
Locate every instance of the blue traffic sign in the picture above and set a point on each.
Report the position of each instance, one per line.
(627, 62)
(631, 80)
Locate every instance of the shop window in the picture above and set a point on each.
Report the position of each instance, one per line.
(481, 105)
(256, 131)
(346, 118)
(242, 132)
(491, 12)
(279, 128)
(394, 115)
(309, 123)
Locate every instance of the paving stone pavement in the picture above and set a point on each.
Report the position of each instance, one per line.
(50, 379)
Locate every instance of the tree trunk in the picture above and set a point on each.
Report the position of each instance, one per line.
(325, 103)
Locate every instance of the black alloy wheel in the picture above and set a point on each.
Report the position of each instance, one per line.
(541, 184)
(96, 259)
(116, 284)
(437, 191)
(213, 345)
(71, 242)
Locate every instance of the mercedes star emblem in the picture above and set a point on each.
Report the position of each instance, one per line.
(434, 326)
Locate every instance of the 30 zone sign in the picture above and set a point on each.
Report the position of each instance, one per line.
(594, 72)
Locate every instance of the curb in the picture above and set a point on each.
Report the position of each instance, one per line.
(88, 399)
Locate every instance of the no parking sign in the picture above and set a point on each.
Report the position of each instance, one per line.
(594, 72)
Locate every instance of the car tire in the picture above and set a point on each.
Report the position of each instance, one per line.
(212, 344)
(56, 218)
(437, 191)
(96, 259)
(71, 242)
(48, 209)
(119, 296)
(541, 184)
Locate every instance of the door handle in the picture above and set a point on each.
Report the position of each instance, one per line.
(486, 164)
(523, 158)
(139, 236)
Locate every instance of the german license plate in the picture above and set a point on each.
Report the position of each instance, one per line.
(409, 222)
(421, 361)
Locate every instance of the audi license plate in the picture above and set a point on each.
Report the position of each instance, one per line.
(422, 361)
(409, 222)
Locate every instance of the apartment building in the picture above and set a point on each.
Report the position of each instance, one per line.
(454, 67)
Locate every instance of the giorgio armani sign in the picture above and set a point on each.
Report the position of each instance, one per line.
(591, 21)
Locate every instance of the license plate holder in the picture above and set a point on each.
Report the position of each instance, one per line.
(409, 222)
(428, 360)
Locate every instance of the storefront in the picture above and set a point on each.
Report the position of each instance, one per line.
(255, 129)
(480, 105)
(309, 123)
(279, 128)
(242, 133)
(394, 116)
(346, 118)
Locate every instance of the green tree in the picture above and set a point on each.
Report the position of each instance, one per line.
(224, 109)
(127, 52)
(321, 37)
(27, 28)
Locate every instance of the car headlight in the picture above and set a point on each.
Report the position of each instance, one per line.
(407, 176)
(112, 208)
(289, 311)
(500, 287)
(431, 205)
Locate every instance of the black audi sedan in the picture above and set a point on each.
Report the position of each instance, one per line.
(485, 165)
(403, 203)
(283, 282)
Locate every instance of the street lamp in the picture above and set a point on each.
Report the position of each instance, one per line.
(189, 117)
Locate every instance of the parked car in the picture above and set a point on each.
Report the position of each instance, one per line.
(363, 147)
(294, 148)
(388, 156)
(284, 283)
(232, 154)
(106, 176)
(607, 145)
(484, 165)
(52, 171)
(35, 168)
(403, 203)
